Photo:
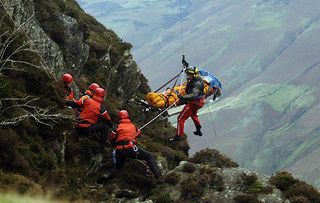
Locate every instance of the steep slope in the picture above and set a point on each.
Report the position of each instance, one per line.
(40, 152)
(266, 54)
(41, 155)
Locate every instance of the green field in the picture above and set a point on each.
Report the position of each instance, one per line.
(282, 98)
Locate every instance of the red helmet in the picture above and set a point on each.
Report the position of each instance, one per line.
(93, 86)
(67, 78)
(123, 114)
(99, 92)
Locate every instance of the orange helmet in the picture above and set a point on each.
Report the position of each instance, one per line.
(99, 92)
(123, 114)
(93, 86)
(67, 78)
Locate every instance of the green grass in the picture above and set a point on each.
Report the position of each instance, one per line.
(314, 27)
(299, 150)
(265, 18)
(277, 133)
(218, 53)
(280, 97)
(15, 198)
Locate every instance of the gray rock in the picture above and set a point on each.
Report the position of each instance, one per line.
(23, 14)
(77, 52)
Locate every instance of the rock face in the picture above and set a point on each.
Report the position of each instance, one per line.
(77, 51)
(23, 14)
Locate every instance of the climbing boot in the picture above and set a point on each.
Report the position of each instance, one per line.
(198, 130)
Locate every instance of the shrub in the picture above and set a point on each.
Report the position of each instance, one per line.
(255, 188)
(299, 199)
(252, 185)
(282, 180)
(246, 198)
(295, 189)
(171, 178)
(216, 181)
(192, 189)
(302, 189)
(213, 157)
(247, 180)
(163, 197)
(19, 183)
(134, 174)
(188, 167)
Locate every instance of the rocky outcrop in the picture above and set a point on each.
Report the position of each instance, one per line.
(205, 183)
(23, 14)
(77, 52)
(207, 177)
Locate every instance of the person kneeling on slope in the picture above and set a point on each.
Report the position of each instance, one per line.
(123, 140)
(89, 93)
(94, 117)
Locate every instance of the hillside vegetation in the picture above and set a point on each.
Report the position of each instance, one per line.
(38, 143)
(42, 157)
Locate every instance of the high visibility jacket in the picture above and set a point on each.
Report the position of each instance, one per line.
(81, 101)
(125, 135)
(92, 111)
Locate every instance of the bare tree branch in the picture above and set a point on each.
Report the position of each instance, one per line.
(41, 115)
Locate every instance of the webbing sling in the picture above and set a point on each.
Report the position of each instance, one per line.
(175, 77)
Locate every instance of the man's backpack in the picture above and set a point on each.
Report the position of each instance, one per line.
(212, 81)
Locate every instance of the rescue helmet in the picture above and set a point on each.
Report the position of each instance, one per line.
(192, 70)
(123, 114)
(67, 78)
(93, 86)
(99, 92)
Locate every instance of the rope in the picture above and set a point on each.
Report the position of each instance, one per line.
(158, 115)
(171, 90)
(182, 71)
(182, 78)
(181, 28)
(48, 70)
(211, 121)
(177, 76)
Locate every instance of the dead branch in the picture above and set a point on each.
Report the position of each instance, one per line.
(40, 115)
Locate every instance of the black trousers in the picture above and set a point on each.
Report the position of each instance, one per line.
(141, 154)
(100, 130)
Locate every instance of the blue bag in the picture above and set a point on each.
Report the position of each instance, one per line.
(210, 79)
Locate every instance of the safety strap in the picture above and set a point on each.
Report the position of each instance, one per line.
(175, 77)
(170, 93)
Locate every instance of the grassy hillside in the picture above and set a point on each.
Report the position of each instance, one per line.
(280, 97)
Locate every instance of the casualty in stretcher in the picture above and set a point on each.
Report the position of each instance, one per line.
(212, 86)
